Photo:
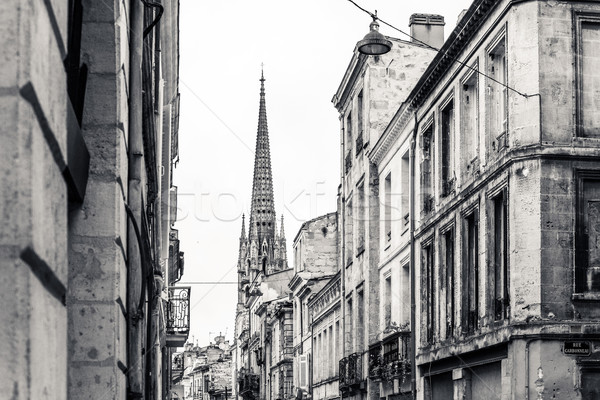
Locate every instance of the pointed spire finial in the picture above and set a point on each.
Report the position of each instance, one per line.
(243, 235)
(262, 80)
(282, 233)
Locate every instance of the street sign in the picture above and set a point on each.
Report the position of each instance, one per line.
(577, 348)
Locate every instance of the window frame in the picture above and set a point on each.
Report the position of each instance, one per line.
(470, 165)
(449, 276)
(581, 176)
(446, 181)
(498, 141)
(428, 199)
(469, 327)
(579, 18)
(428, 284)
(493, 196)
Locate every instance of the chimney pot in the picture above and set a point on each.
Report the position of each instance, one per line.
(427, 28)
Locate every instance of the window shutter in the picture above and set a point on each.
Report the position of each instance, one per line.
(303, 371)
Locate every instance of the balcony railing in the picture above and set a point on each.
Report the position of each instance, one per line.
(375, 363)
(393, 362)
(351, 374)
(178, 316)
(249, 384)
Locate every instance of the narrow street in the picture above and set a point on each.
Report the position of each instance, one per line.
(266, 200)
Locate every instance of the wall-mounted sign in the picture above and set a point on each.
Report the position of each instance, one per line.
(577, 348)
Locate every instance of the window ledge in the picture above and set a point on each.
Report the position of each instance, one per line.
(586, 296)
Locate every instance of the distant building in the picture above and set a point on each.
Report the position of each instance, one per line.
(325, 312)
(205, 371)
(315, 262)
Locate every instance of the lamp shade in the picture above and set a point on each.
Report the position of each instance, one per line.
(374, 43)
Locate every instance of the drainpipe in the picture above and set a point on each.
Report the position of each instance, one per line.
(343, 255)
(527, 367)
(413, 322)
(135, 276)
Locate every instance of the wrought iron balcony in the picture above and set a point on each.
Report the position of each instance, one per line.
(394, 363)
(249, 384)
(375, 363)
(178, 316)
(351, 374)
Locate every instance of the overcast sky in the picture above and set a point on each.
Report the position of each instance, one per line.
(305, 46)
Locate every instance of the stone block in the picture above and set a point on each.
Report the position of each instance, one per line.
(556, 258)
(102, 211)
(15, 315)
(91, 332)
(47, 335)
(98, 47)
(101, 100)
(95, 382)
(9, 45)
(48, 211)
(99, 11)
(94, 265)
(15, 204)
(106, 146)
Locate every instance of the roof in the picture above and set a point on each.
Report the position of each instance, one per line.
(307, 223)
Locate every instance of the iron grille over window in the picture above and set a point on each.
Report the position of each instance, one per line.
(178, 311)
(351, 374)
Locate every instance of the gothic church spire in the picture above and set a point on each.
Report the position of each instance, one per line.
(262, 214)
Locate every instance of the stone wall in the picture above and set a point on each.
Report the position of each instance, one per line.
(97, 267)
(33, 238)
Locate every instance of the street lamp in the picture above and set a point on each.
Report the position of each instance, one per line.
(374, 43)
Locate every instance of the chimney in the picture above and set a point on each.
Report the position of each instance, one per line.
(427, 28)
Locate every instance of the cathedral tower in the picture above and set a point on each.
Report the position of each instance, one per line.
(263, 247)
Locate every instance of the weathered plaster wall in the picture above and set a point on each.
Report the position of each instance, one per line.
(389, 79)
(317, 243)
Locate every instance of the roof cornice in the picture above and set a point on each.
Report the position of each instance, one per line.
(352, 73)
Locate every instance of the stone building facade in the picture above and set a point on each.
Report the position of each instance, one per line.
(278, 349)
(326, 331)
(90, 104)
(315, 263)
(500, 139)
(371, 91)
